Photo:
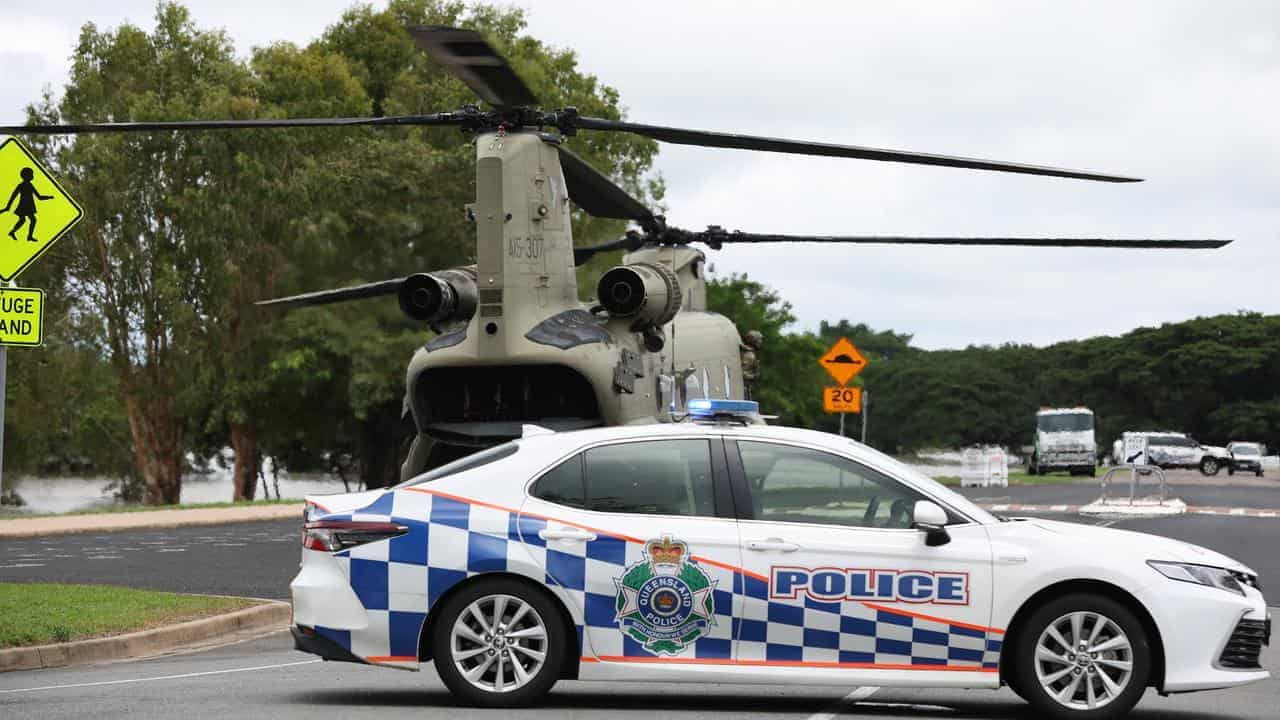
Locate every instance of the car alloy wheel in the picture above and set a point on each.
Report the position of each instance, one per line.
(1084, 660)
(498, 643)
(1209, 466)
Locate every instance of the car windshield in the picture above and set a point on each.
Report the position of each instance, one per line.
(897, 468)
(1245, 450)
(1064, 422)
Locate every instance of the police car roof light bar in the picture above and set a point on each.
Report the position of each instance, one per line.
(721, 409)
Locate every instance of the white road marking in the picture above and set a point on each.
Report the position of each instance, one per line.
(843, 703)
(1058, 508)
(21, 565)
(916, 707)
(162, 677)
(1237, 511)
(1105, 523)
(172, 550)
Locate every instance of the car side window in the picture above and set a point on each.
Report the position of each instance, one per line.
(655, 477)
(792, 484)
(563, 484)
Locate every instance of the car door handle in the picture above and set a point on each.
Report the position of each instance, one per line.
(566, 534)
(772, 544)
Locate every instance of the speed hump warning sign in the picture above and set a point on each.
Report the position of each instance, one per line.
(35, 212)
(21, 316)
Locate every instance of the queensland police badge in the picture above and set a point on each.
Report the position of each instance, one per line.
(665, 601)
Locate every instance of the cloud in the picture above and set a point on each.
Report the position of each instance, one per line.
(1181, 93)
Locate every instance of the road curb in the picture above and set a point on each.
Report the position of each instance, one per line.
(144, 520)
(146, 643)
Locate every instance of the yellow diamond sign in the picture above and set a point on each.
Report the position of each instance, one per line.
(843, 361)
(36, 211)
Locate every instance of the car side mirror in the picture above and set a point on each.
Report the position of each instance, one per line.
(930, 518)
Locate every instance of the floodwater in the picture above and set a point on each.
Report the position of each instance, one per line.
(64, 494)
(213, 484)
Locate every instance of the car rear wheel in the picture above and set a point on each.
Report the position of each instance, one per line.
(1209, 466)
(1083, 657)
(499, 643)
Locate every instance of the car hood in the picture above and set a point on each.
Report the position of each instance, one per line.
(1153, 547)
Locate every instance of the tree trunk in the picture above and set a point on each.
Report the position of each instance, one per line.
(157, 445)
(244, 475)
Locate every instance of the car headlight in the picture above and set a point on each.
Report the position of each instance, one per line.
(1220, 578)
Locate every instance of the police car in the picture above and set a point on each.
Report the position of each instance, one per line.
(724, 550)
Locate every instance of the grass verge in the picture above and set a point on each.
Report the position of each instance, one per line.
(43, 613)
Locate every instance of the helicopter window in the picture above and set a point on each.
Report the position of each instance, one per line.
(563, 484)
(470, 462)
(791, 484)
(659, 477)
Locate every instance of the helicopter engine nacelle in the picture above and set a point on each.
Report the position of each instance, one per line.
(647, 292)
(440, 297)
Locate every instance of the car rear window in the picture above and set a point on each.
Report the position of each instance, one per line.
(470, 462)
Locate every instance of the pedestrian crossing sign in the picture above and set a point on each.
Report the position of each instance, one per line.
(35, 211)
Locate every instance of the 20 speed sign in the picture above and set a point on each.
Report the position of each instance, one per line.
(842, 399)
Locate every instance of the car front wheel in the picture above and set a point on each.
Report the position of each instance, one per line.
(1083, 657)
(499, 643)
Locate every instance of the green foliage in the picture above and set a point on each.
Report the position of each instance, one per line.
(1217, 378)
(791, 380)
(153, 328)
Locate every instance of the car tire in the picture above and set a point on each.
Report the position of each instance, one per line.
(466, 637)
(1231, 471)
(1061, 688)
(1210, 466)
(1259, 473)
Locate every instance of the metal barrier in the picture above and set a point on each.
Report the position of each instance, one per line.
(1135, 473)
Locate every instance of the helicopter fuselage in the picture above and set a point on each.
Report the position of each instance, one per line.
(532, 353)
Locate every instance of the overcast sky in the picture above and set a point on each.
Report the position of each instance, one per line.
(1183, 94)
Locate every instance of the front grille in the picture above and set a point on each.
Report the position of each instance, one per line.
(1245, 645)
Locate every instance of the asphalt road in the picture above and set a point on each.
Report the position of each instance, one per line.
(258, 559)
(255, 559)
(266, 678)
(1206, 494)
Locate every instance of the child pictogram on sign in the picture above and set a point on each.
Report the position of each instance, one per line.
(26, 195)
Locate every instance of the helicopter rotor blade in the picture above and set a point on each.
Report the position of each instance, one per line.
(705, 138)
(446, 118)
(715, 237)
(471, 58)
(596, 194)
(328, 297)
(629, 242)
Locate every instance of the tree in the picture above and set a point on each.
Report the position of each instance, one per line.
(791, 380)
(133, 263)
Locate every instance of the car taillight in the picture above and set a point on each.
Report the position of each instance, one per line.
(335, 535)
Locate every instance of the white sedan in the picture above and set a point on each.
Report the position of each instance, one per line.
(726, 551)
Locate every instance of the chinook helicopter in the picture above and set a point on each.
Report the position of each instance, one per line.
(513, 344)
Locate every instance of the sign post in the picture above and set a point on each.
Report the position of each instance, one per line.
(43, 212)
(843, 362)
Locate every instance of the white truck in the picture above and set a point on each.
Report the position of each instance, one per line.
(1064, 440)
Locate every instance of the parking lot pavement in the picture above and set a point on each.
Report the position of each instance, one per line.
(1207, 492)
(266, 678)
(253, 559)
